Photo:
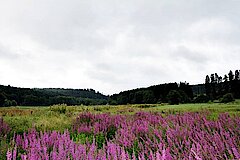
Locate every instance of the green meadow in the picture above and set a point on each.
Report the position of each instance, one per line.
(60, 117)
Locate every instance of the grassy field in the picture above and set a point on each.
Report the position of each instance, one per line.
(60, 117)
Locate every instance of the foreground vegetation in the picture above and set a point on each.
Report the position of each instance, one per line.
(156, 131)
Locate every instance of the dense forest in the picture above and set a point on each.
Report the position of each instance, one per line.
(180, 93)
(11, 96)
(216, 87)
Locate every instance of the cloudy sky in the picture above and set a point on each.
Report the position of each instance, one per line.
(115, 45)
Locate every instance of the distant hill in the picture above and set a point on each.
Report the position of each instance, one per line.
(214, 88)
(49, 96)
(83, 93)
(154, 94)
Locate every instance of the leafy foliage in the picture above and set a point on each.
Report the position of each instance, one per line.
(2, 99)
(174, 97)
(62, 108)
(201, 99)
(227, 98)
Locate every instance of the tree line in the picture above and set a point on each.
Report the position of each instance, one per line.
(173, 93)
(223, 88)
(12, 96)
(217, 86)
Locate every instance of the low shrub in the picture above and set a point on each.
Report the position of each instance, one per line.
(227, 98)
(174, 97)
(146, 105)
(201, 99)
(60, 108)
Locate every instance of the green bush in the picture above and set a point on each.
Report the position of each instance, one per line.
(146, 106)
(84, 138)
(111, 132)
(227, 98)
(8, 103)
(2, 99)
(201, 99)
(100, 140)
(184, 97)
(173, 97)
(61, 108)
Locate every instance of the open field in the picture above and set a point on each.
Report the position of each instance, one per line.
(152, 119)
(49, 118)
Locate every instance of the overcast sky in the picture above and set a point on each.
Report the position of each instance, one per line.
(116, 45)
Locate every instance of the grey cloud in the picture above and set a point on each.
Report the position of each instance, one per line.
(116, 45)
(6, 53)
(183, 52)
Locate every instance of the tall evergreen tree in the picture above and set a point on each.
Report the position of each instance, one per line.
(213, 87)
(236, 75)
(216, 78)
(225, 78)
(225, 84)
(230, 75)
(212, 78)
(207, 80)
(220, 79)
(235, 85)
(207, 86)
(220, 85)
(231, 78)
